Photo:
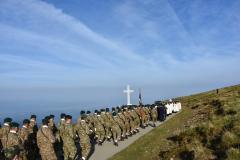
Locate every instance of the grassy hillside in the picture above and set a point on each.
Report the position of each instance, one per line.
(207, 128)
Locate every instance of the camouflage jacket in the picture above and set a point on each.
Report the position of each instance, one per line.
(4, 133)
(127, 117)
(90, 121)
(114, 122)
(106, 120)
(98, 124)
(119, 121)
(121, 115)
(69, 135)
(82, 130)
(14, 140)
(61, 126)
(24, 135)
(45, 137)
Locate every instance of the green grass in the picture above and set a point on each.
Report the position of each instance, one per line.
(207, 128)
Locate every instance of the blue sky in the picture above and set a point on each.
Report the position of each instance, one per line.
(84, 52)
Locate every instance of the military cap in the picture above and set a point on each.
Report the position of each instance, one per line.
(107, 109)
(96, 111)
(113, 109)
(82, 112)
(14, 125)
(114, 114)
(88, 112)
(62, 115)
(7, 120)
(68, 117)
(47, 118)
(33, 116)
(51, 116)
(102, 110)
(26, 121)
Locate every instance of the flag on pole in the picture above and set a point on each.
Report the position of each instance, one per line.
(140, 97)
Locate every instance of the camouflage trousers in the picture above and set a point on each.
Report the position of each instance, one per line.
(47, 153)
(69, 151)
(107, 132)
(127, 126)
(132, 125)
(144, 120)
(100, 134)
(137, 122)
(85, 148)
(116, 132)
(123, 129)
(154, 118)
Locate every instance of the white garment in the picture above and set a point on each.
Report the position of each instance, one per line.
(175, 107)
(179, 106)
(168, 109)
(171, 108)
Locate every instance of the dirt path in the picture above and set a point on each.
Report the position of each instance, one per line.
(107, 150)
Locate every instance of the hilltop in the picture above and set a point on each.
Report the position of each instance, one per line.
(207, 128)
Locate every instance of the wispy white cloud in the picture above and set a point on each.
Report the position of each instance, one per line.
(45, 25)
(46, 46)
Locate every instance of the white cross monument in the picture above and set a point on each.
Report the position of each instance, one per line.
(128, 92)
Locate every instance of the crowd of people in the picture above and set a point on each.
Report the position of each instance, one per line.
(70, 141)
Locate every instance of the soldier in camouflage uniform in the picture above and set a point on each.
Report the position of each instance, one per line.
(147, 111)
(59, 135)
(107, 124)
(45, 142)
(24, 135)
(124, 128)
(52, 125)
(61, 125)
(14, 145)
(116, 131)
(33, 128)
(4, 131)
(83, 132)
(127, 122)
(138, 111)
(99, 128)
(90, 121)
(143, 117)
(69, 147)
(136, 119)
(131, 121)
(154, 115)
(121, 123)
